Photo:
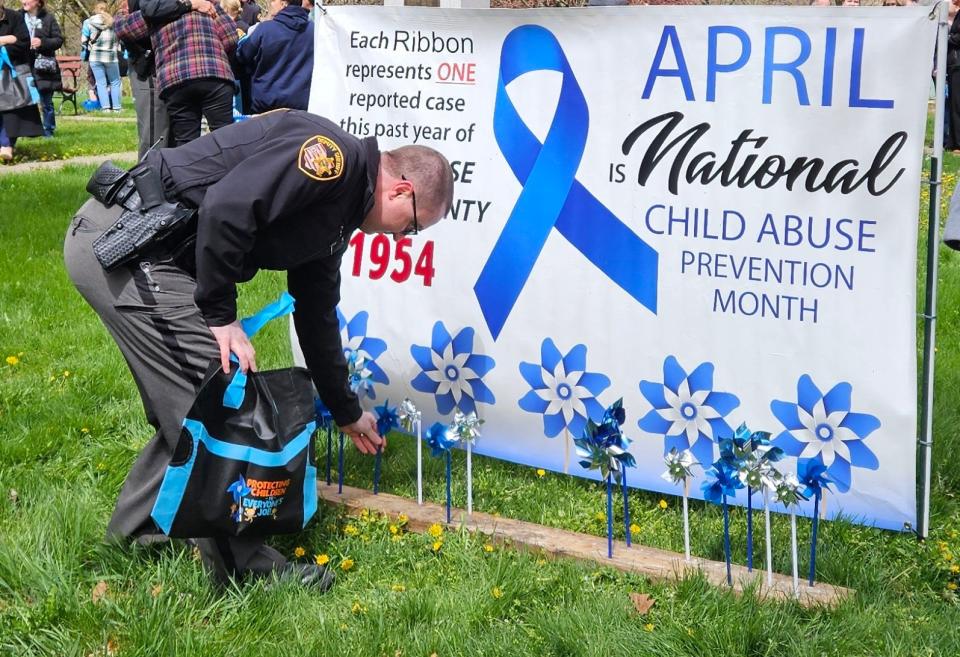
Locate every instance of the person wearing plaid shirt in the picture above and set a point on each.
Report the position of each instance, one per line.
(193, 74)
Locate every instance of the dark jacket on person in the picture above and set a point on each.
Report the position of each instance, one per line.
(11, 23)
(279, 58)
(23, 122)
(51, 40)
(281, 191)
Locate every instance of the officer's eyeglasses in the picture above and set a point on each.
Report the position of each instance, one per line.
(415, 228)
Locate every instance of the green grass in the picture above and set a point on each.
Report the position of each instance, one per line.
(71, 424)
(74, 138)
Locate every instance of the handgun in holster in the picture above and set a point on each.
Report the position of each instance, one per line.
(148, 220)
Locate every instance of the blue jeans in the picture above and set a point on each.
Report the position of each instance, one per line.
(107, 75)
(48, 113)
(5, 140)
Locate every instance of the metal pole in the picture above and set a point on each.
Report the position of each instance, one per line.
(930, 305)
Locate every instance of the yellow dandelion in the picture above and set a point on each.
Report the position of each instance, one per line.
(84, 430)
(398, 588)
(955, 569)
(599, 516)
(662, 504)
(394, 530)
(346, 564)
(358, 608)
(322, 559)
(66, 373)
(299, 552)
(496, 592)
(402, 518)
(648, 627)
(351, 530)
(364, 513)
(488, 548)
(437, 545)
(951, 586)
(634, 528)
(435, 530)
(12, 360)
(541, 473)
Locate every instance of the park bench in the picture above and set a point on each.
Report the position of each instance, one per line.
(71, 70)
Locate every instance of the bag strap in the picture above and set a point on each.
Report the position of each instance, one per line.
(5, 61)
(234, 394)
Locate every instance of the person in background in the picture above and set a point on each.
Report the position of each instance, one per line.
(241, 98)
(250, 12)
(279, 58)
(100, 40)
(23, 122)
(192, 67)
(951, 141)
(45, 40)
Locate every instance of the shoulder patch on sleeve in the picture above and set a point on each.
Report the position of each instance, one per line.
(321, 159)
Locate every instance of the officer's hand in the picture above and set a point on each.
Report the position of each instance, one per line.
(232, 338)
(364, 434)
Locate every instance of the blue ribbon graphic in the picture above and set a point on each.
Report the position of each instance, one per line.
(551, 195)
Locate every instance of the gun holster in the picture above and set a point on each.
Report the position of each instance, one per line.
(148, 219)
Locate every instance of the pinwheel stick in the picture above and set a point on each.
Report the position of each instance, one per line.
(813, 538)
(566, 451)
(749, 529)
(448, 486)
(793, 555)
(686, 519)
(419, 462)
(609, 516)
(340, 467)
(769, 545)
(469, 478)
(726, 540)
(376, 470)
(626, 507)
(329, 455)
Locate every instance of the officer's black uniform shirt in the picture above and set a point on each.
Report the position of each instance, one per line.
(281, 191)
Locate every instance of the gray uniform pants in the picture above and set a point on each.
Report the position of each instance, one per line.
(149, 310)
(152, 120)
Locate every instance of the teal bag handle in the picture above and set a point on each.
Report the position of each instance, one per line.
(5, 61)
(233, 395)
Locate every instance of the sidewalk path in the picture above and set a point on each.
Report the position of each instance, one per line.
(27, 167)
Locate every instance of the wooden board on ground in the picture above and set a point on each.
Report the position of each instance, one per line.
(655, 564)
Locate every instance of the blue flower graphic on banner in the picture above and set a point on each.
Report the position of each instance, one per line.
(452, 372)
(562, 390)
(687, 411)
(355, 340)
(821, 427)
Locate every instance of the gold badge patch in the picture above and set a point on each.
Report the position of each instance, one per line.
(320, 159)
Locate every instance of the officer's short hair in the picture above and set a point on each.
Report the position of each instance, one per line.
(430, 173)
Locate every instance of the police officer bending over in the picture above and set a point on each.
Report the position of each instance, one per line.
(282, 191)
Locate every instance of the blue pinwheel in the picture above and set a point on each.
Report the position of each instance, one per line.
(687, 411)
(388, 418)
(562, 390)
(813, 477)
(452, 372)
(722, 482)
(440, 439)
(822, 428)
(239, 490)
(356, 342)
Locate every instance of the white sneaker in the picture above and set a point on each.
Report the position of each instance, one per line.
(6, 153)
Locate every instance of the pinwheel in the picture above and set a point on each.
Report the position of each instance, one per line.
(751, 453)
(325, 423)
(679, 470)
(813, 477)
(440, 439)
(603, 447)
(410, 421)
(387, 421)
(359, 377)
(238, 489)
(467, 429)
(788, 493)
(722, 482)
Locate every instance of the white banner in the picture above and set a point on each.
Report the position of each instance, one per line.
(710, 212)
